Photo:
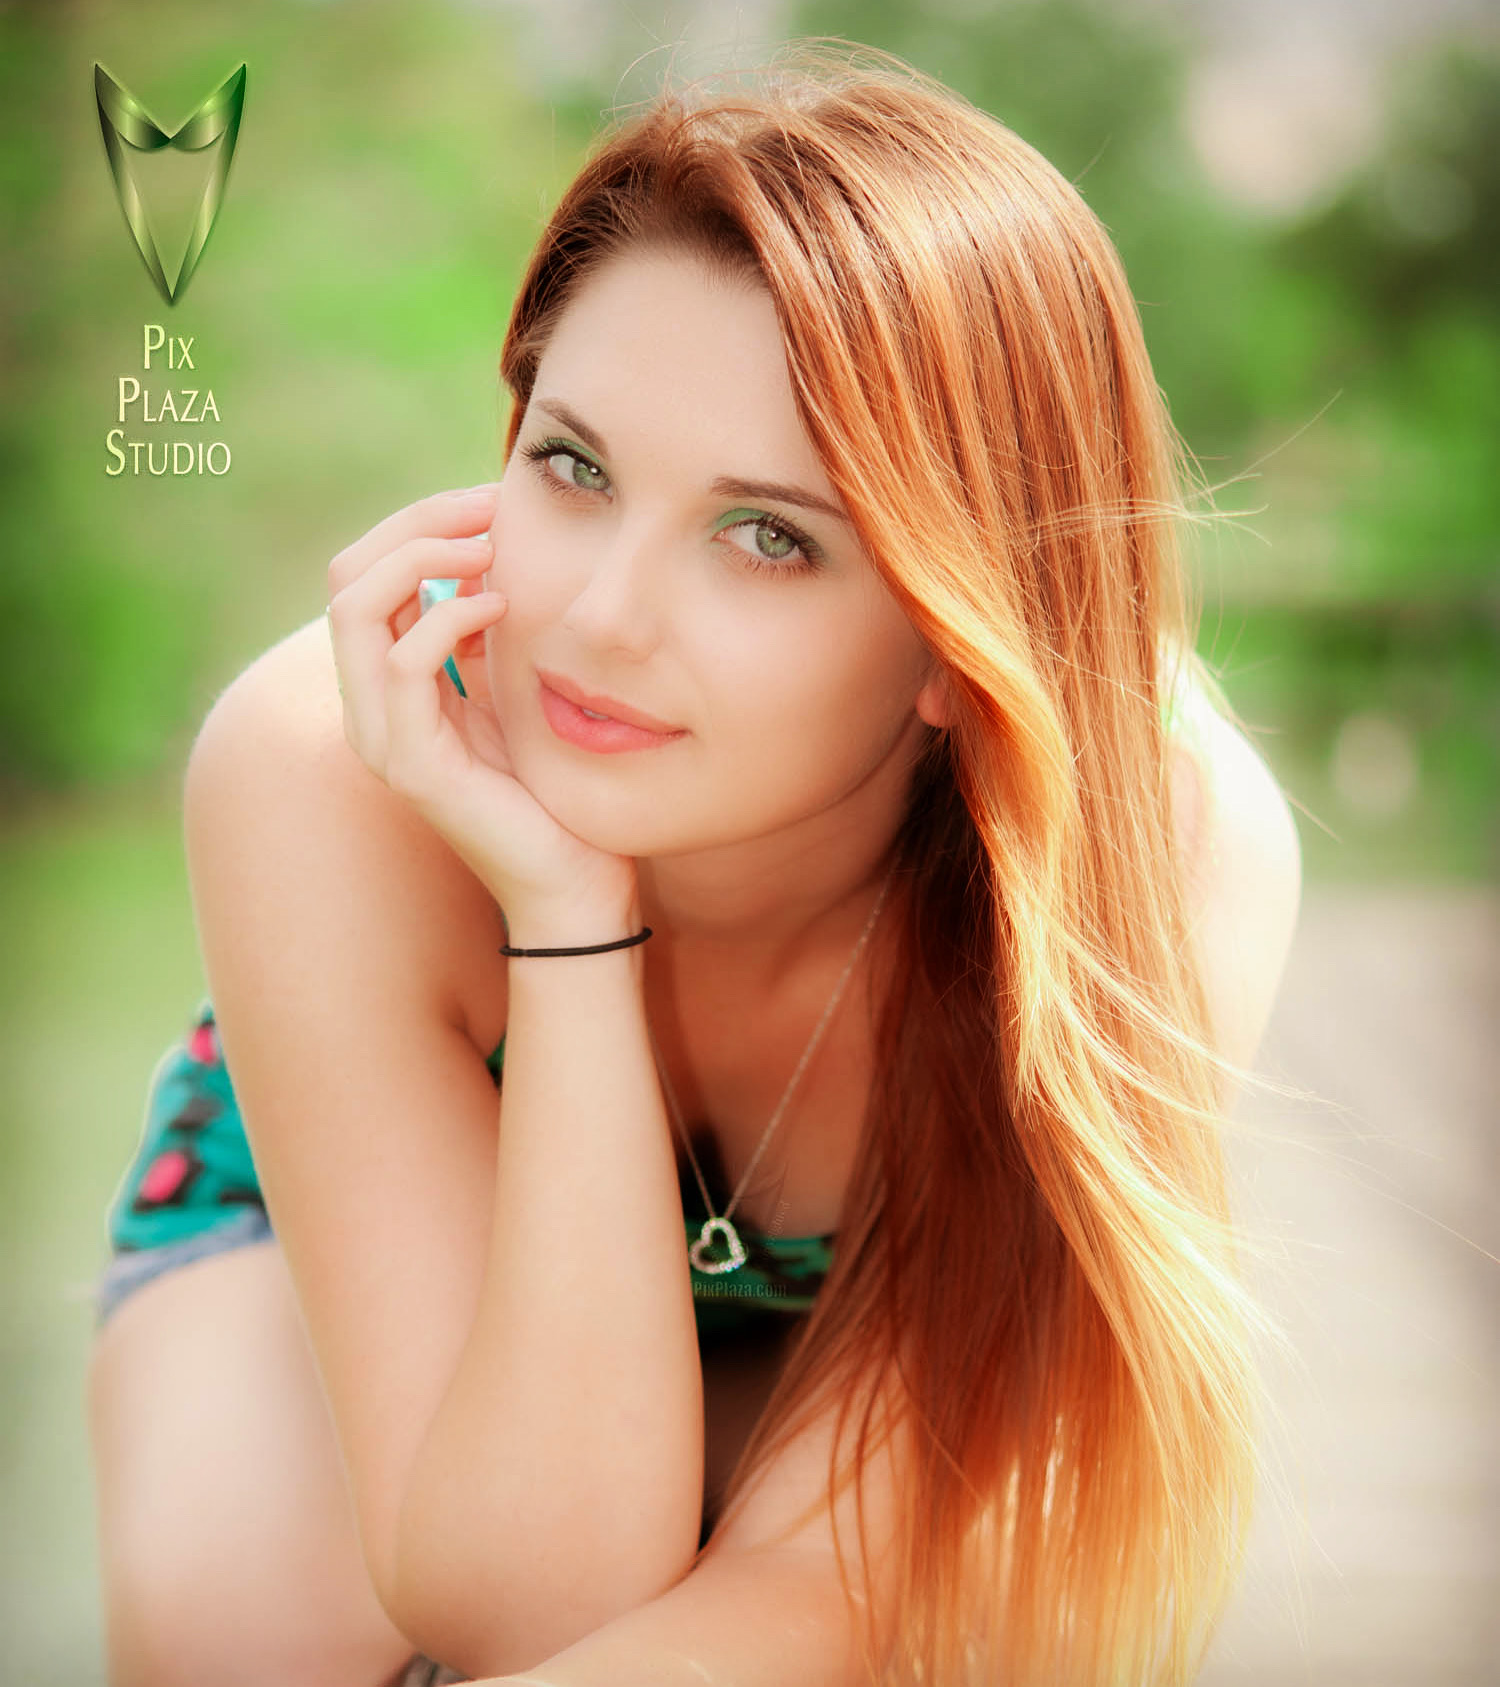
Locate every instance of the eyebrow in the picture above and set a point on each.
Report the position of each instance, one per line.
(722, 486)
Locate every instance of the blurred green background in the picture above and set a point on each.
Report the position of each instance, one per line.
(1320, 302)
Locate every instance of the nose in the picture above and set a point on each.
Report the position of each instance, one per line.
(616, 607)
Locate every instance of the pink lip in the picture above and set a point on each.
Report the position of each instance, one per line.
(624, 728)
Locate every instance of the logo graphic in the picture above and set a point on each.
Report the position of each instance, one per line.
(129, 129)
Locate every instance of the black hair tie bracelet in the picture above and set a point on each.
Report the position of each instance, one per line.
(588, 949)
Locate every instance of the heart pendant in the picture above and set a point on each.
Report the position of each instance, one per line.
(698, 1252)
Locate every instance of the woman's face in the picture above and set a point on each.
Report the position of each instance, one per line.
(744, 617)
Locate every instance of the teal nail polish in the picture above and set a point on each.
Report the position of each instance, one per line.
(430, 592)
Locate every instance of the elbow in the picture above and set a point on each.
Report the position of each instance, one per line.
(493, 1598)
(427, 1593)
(428, 1585)
(476, 1619)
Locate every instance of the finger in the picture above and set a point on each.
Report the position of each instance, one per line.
(365, 617)
(414, 701)
(444, 515)
(393, 581)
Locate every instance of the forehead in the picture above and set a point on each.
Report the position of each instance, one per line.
(658, 327)
(652, 280)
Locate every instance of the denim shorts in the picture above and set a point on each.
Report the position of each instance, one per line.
(128, 1272)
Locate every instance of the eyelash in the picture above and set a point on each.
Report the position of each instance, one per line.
(812, 555)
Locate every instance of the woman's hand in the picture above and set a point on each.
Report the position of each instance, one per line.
(446, 754)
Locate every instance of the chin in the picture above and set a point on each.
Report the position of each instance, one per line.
(617, 822)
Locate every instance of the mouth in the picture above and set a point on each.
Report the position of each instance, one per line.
(595, 722)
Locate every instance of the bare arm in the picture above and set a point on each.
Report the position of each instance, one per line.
(583, 1355)
(487, 1377)
(764, 1606)
(771, 1618)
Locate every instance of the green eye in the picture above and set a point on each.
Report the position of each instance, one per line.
(777, 544)
(789, 544)
(581, 474)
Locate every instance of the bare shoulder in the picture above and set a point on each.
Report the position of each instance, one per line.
(1242, 871)
(273, 746)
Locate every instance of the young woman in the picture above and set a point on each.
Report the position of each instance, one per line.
(805, 799)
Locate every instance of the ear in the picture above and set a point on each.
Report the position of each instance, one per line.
(934, 700)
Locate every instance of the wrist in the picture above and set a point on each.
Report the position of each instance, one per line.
(573, 926)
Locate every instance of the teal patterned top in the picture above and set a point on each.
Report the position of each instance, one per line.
(193, 1173)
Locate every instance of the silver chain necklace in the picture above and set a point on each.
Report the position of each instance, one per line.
(721, 1224)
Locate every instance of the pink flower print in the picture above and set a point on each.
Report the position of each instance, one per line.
(165, 1178)
(203, 1044)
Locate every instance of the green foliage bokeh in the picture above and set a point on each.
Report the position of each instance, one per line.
(1337, 375)
(392, 171)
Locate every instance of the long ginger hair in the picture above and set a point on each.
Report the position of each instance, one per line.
(1035, 1263)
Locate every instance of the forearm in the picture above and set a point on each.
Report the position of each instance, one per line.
(763, 1619)
(560, 1483)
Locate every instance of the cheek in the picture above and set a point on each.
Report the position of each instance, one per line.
(510, 640)
(529, 572)
(513, 543)
(526, 525)
(802, 704)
